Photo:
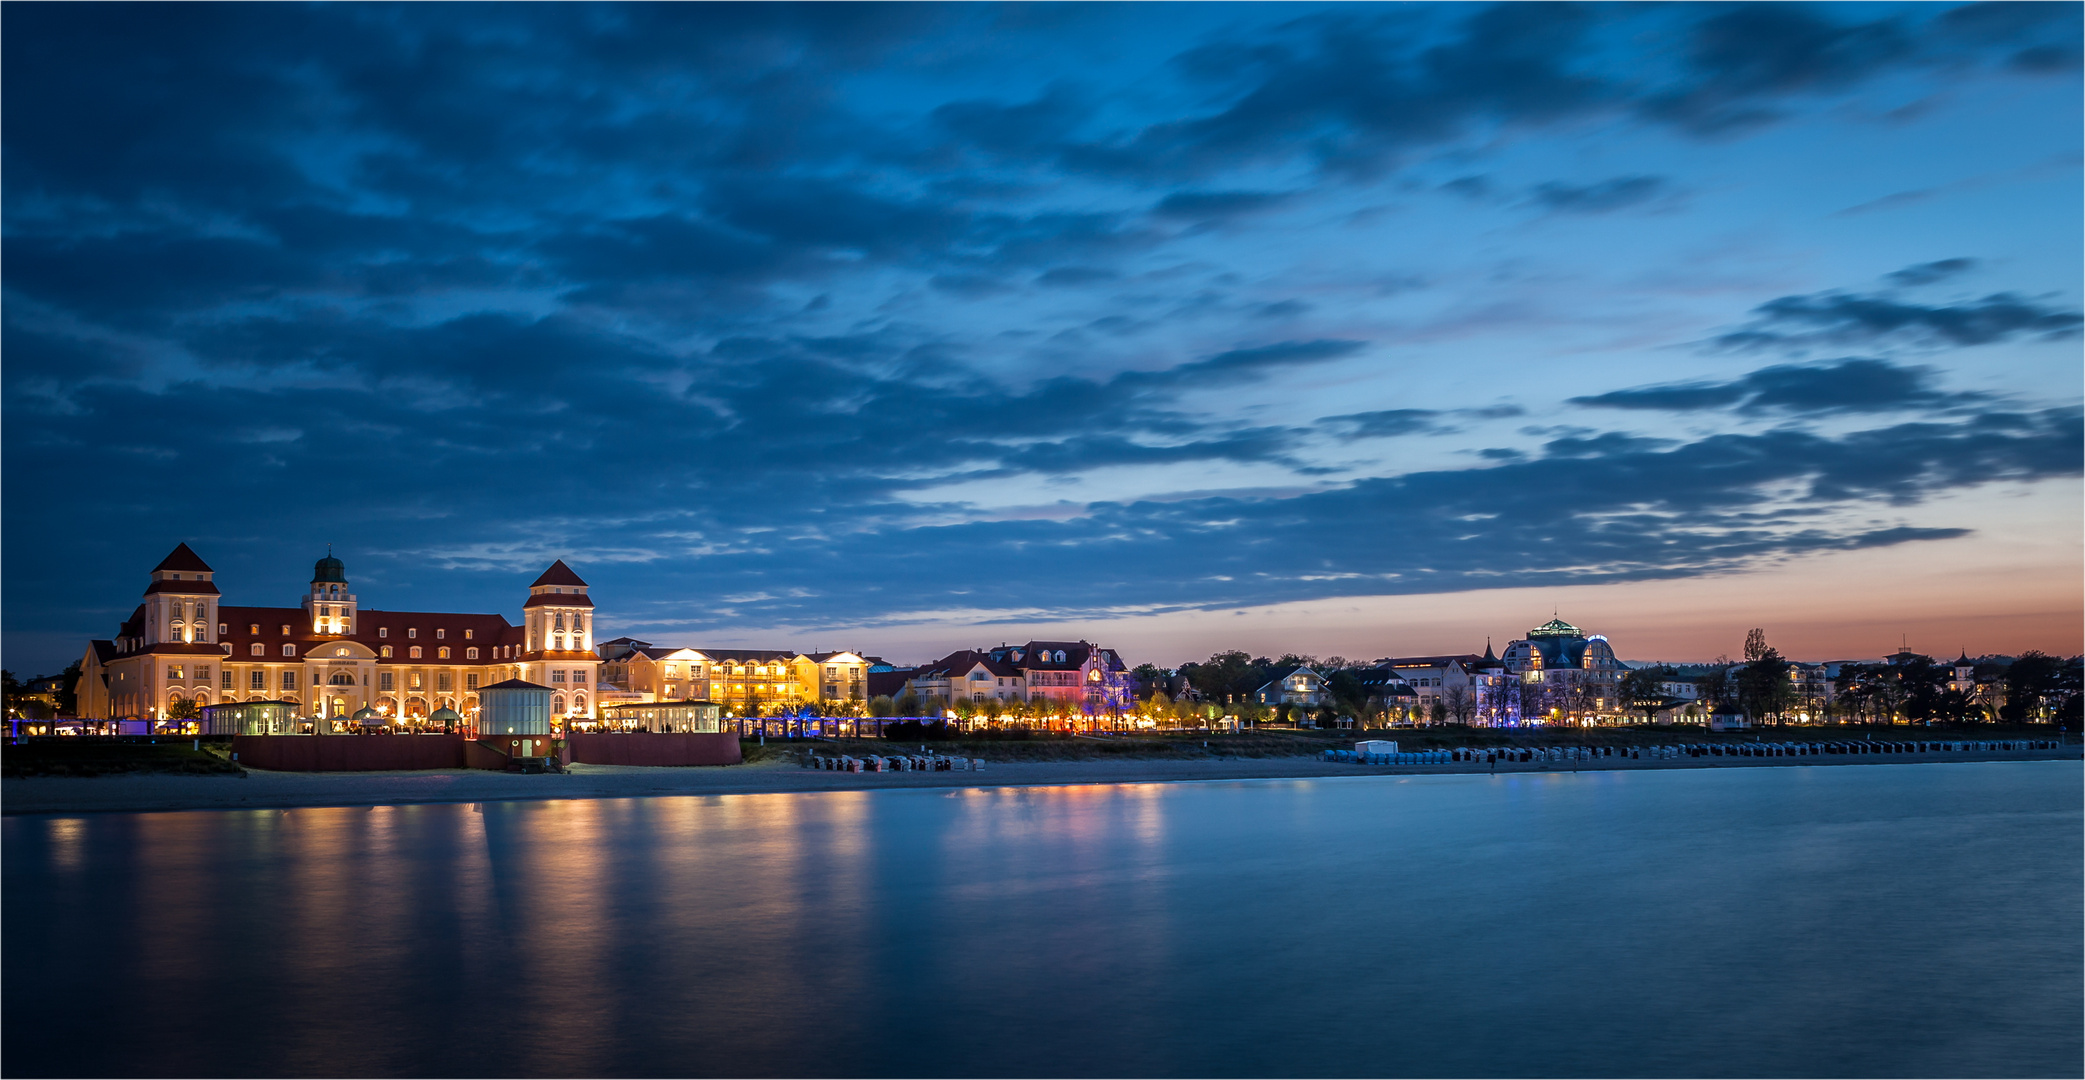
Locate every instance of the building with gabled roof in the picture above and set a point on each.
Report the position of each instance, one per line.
(330, 654)
(748, 682)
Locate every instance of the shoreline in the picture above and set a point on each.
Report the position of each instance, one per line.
(261, 790)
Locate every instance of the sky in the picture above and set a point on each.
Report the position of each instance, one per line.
(1343, 330)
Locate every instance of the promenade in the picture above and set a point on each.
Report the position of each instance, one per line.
(259, 789)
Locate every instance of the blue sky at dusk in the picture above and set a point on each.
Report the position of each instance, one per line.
(1342, 329)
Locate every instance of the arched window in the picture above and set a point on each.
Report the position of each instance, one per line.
(384, 652)
(470, 654)
(579, 703)
(440, 634)
(442, 652)
(341, 678)
(414, 652)
(257, 649)
(557, 704)
(412, 631)
(289, 650)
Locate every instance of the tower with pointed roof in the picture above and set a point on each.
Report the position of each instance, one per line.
(180, 601)
(329, 608)
(558, 619)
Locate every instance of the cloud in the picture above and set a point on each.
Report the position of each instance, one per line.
(1216, 205)
(1606, 196)
(1836, 319)
(1842, 386)
(1930, 273)
(1393, 423)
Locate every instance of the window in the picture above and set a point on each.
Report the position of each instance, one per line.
(285, 629)
(579, 676)
(413, 680)
(202, 673)
(314, 678)
(412, 631)
(470, 682)
(384, 680)
(442, 652)
(560, 627)
(257, 649)
(289, 650)
(289, 680)
(470, 653)
(383, 631)
(670, 672)
(440, 634)
(557, 676)
(253, 628)
(222, 629)
(445, 682)
(257, 680)
(414, 652)
(384, 651)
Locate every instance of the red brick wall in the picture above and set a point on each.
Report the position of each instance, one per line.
(348, 753)
(654, 748)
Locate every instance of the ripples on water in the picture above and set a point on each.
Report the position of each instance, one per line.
(1850, 920)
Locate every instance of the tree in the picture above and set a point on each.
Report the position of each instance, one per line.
(69, 690)
(1756, 647)
(906, 704)
(1220, 678)
(10, 692)
(1459, 704)
(1151, 679)
(1439, 713)
(182, 709)
(1762, 683)
(1643, 690)
(2030, 678)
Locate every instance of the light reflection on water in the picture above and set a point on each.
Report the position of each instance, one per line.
(1852, 920)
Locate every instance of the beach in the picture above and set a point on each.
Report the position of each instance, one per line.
(260, 789)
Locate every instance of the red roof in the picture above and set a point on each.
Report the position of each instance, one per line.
(197, 587)
(181, 558)
(562, 599)
(558, 574)
(485, 631)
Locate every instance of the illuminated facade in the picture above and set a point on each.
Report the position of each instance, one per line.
(1077, 675)
(331, 655)
(1559, 658)
(746, 681)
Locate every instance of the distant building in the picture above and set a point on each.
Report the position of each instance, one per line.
(331, 655)
(1079, 675)
(1302, 687)
(1561, 661)
(748, 681)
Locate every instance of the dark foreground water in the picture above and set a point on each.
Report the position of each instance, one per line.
(1919, 920)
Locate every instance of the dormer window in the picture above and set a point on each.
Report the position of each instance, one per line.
(440, 634)
(285, 628)
(412, 631)
(383, 631)
(470, 654)
(466, 635)
(253, 628)
(442, 652)
(173, 577)
(385, 652)
(414, 652)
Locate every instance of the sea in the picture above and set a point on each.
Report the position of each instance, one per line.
(1843, 920)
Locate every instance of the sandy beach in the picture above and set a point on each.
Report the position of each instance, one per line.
(260, 789)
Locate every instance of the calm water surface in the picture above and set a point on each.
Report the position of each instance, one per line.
(1853, 920)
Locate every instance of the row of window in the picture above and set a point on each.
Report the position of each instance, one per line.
(440, 633)
(413, 652)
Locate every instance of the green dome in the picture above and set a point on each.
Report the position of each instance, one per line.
(329, 569)
(367, 715)
(445, 715)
